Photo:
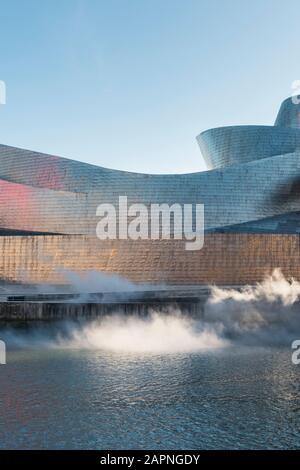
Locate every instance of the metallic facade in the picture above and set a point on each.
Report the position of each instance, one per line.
(251, 196)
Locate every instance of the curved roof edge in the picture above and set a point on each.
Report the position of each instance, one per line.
(224, 146)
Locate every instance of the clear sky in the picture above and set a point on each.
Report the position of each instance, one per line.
(128, 84)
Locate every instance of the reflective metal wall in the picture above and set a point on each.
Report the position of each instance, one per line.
(252, 206)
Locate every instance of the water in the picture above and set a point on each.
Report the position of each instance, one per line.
(224, 380)
(237, 397)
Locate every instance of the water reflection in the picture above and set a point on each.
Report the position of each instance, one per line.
(234, 397)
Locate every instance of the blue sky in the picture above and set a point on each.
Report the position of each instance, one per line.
(129, 83)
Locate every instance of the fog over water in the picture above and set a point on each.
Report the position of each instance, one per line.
(266, 314)
(222, 380)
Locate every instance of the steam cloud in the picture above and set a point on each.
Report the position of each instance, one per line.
(265, 314)
(158, 333)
